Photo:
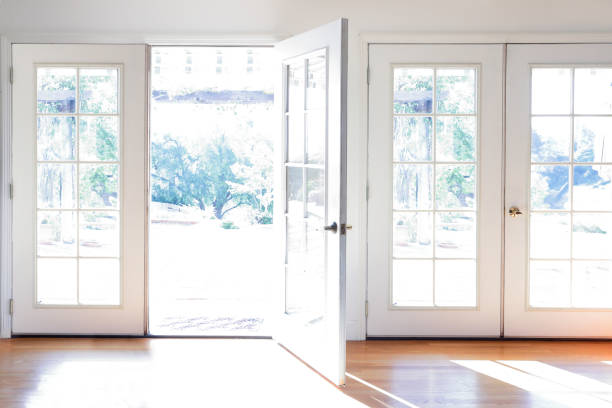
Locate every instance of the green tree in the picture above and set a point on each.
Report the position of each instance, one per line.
(226, 193)
(205, 179)
(177, 177)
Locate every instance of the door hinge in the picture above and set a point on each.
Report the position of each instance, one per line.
(366, 308)
(367, 192)
(368, 75)
(11, 191)
(11, 75)
(11, 306)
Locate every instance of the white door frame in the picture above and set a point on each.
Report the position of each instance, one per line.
(482, 319)
(503, 38)
(358, 53)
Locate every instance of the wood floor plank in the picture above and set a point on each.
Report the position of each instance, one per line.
(82, 372)
(428, 373)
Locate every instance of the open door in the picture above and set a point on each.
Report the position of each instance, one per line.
(312, 188)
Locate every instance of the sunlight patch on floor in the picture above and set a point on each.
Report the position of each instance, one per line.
(380, 390)
(187, 373)
(542, 380)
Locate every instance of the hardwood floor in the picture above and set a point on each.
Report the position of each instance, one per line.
(44, 372)
(470, 373)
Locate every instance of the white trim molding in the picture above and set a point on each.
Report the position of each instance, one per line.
(147, 39)
(6, 219)
(485, 38)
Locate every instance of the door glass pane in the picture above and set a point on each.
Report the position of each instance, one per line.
(297, 300)
(592, 187)
(295, 191)
(56, 281)
(592, 235)
(295, 97)
(56, 185)
(316, 89)
(99, 138)
(550, 187)
(593, 90)
(455, 235)
(413, 90)
(592, 284)
(99, 281)
(550, 235)
(435, 176)
(550, 139)
(456, 138)
(456, 90)
(551, 90)
(315, 265)
(306, 189)
(98, 185)
(65, 233)
(412, 283)
(456, 283)
(56, 234)
(315, 192)
(296, 244)
(549, 284)
(412, 138)
(56, 138)
(455, 186)
(295, 137)
(593, 139)
(412, 235)
(99, 233)
(315, 136)
(571, 204)
(98, 92)
(412, 185)
(56, 90)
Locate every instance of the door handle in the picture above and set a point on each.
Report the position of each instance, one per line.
(333, 227)
(514, 212)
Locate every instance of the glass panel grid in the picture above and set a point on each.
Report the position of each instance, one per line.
(570, 206)
(305, 209)
(66, 234)
(435, 168)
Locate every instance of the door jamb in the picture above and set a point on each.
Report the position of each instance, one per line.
(6, 217)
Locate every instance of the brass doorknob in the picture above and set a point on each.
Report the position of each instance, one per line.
(514, 212)
(344, 228)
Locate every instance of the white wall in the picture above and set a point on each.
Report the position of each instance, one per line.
(284, 17)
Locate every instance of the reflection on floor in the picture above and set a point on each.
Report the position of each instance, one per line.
(511, 373)
(165, 373)
(44, 372)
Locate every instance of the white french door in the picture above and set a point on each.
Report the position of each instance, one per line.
(559, 176)
(312, 197)
(79, 189)
(435, 190)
